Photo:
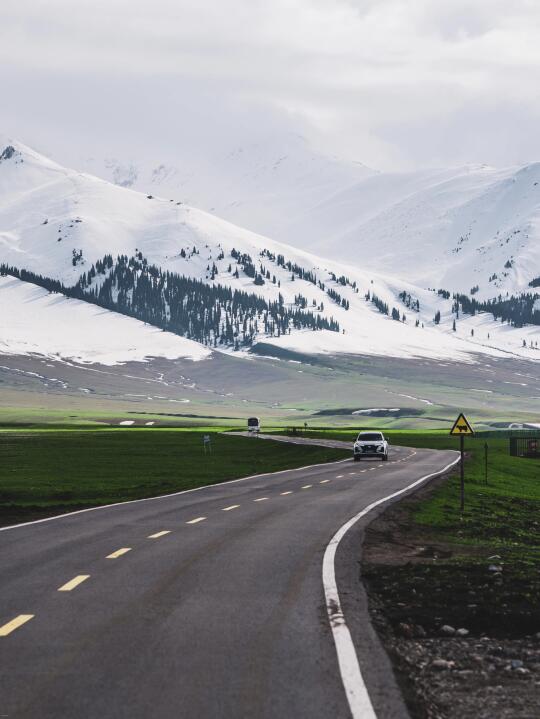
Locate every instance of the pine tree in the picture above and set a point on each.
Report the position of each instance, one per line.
(188, 307)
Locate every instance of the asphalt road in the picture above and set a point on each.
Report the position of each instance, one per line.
(217, 609)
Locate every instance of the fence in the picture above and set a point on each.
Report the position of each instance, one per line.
(525, 447)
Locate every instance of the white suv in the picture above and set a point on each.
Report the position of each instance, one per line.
(371, 444)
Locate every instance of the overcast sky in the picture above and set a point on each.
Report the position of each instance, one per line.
(396, 84)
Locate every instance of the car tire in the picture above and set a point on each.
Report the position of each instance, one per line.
(356, 458)
(385, 458)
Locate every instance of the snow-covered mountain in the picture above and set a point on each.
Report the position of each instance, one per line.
(60, 223)
(263, 186)
(454, 228)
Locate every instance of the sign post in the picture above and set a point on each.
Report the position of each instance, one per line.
(207, 443)
(461, 429)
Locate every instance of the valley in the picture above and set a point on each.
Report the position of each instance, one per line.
(223, 389)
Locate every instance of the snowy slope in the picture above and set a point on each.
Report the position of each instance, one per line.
(451, 228)
(48, 212)
(261, 186)
(32, 321)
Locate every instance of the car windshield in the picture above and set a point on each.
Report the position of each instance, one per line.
(252, 421)
(370, 437)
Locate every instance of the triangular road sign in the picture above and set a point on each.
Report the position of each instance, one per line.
(462, 426)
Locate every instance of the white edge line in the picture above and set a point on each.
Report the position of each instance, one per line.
(351, 676)
(174, 494)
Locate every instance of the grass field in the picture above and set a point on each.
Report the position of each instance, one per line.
(45, 472)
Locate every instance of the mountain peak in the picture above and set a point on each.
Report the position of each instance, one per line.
(7, 153)
(12, 149)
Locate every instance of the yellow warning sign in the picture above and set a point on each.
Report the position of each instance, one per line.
(462, 426)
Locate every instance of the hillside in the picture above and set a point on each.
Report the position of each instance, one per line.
(452, 228)
(35, 322)
(457, 229)
(261, 186)
(132, 253)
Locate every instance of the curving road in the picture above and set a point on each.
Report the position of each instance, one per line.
(204, 604)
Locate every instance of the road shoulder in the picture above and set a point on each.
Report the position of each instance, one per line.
(452, 624)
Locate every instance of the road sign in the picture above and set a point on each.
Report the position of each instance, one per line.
(462, 426)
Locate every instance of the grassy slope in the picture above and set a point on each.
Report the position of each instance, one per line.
(51, 471)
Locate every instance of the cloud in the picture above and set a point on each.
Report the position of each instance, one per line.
(393, 83)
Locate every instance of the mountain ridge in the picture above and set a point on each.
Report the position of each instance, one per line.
(423, 221)
(59, 223)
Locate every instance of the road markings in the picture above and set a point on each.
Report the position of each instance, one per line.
(261, 499)
(339, 476)
(15, 624)
(284, 493)
(351, 676)
(324, 481)
(228, 509)
(307, 486)
(118, 553)
(196, 520)
(68, 586)
(157, 535)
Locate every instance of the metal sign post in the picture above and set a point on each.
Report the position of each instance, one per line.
(462, 428)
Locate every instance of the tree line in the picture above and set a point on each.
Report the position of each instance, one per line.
(210, 314)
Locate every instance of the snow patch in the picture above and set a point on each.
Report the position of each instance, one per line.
(376, 409)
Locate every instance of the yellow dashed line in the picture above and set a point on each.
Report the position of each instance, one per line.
(68, 586)
(196, 520)
(157, 535)
(15, 624)
(118, 553)
(228, 509)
